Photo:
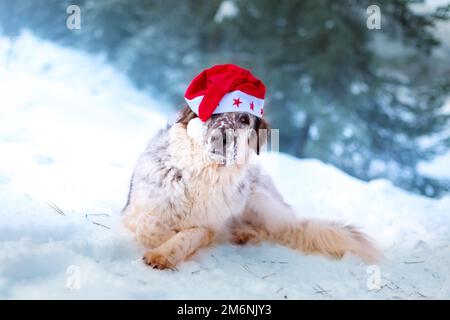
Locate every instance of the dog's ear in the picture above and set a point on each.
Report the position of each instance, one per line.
(262, 132)
(186, 115)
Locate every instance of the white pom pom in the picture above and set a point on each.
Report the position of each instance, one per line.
(195, 128)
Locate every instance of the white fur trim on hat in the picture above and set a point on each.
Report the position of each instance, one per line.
(235, 101)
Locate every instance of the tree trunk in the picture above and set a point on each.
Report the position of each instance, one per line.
(303, 137)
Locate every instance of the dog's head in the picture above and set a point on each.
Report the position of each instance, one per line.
(230, 137)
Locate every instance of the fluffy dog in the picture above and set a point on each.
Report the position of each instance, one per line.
(187, 193)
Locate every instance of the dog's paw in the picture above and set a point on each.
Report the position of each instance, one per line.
(243, 231)
(158, 260)
(244, 235)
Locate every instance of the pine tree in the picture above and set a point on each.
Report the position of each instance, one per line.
(368, 101)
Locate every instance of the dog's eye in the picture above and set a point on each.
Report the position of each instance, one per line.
(244, 119)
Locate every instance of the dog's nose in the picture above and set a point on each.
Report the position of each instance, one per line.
(224, 138)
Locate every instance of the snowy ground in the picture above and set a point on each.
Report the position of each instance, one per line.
(70, 130)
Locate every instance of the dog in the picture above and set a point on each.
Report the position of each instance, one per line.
(188, 193)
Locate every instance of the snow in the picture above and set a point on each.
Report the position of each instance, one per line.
(442, 27)
(438, 168)
(71, 128)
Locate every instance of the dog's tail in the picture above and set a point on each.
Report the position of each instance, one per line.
(331, 239)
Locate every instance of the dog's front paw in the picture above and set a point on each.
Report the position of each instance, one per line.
(244, 235)
(158, 260)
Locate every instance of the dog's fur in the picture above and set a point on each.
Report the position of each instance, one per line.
(187, 193)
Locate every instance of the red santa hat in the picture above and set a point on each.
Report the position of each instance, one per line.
(225, 88)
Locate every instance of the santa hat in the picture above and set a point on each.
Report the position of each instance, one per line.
(225, 88)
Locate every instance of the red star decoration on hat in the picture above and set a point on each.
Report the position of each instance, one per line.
(237, 102)
(261, 111)
(252, 106)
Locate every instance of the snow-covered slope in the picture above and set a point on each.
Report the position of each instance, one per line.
(71, 128)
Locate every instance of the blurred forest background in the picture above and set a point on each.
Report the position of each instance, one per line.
(371, 102)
